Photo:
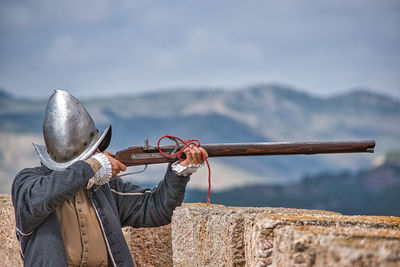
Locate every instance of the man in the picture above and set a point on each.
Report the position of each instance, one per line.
(70, 210)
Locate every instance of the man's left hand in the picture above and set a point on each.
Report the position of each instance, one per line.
(194, 155)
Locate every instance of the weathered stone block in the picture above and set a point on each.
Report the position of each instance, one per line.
(269, 230)
(207, 236)
(9, 252)
(150, 246)
(336, 246)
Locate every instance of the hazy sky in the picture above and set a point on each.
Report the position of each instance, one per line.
(105, 47)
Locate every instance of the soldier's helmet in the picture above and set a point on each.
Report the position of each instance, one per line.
(69, 132)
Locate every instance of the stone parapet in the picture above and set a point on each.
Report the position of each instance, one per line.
(215, 235)
(227, 236)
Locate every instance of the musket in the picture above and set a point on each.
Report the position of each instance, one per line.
(144, 155)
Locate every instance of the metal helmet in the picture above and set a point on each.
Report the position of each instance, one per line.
(69, 132)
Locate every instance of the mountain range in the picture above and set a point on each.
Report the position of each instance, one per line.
(372, 191)
(252, 114)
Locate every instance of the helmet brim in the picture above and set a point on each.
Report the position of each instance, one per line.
(106, 141)
(58, 166)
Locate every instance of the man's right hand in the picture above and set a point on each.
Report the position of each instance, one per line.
(116, 165)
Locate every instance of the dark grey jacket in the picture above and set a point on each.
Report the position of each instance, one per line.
(36, 192)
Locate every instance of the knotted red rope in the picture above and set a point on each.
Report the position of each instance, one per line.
(178, 154)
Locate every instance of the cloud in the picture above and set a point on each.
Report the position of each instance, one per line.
(33, 14)
(64, 50)
(318, 45)
(13, 16)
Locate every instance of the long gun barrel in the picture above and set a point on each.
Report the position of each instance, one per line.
(143, 155)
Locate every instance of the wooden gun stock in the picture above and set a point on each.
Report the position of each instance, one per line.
(143, 155)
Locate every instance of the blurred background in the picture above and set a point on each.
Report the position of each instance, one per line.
(220, 71)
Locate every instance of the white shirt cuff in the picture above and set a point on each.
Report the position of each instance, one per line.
(185, 170)
(104, 174)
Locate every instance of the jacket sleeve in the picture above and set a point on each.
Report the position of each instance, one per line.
(36, 192)
(140, 207)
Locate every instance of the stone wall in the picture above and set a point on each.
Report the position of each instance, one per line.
(202, 235)
(226, 236)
